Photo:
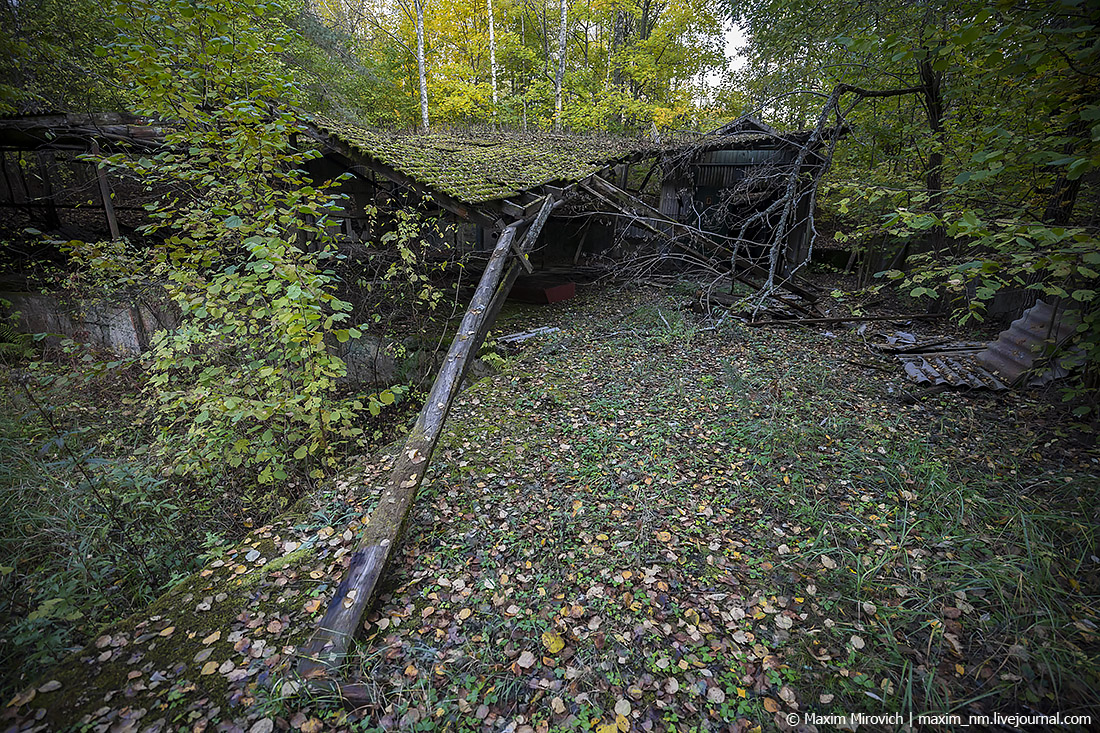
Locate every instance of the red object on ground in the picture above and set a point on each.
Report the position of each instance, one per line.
(541, 290)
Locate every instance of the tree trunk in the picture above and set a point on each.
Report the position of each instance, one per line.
(933, 178)
(420, 65)
(560, 75)
(492, 54)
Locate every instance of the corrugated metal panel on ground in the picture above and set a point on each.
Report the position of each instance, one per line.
(1030, 339)
(1018, 354)
(956, 368)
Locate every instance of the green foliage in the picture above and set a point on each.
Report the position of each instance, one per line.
(983, 171)
(247, 378)
(86, 535)
(46, 59)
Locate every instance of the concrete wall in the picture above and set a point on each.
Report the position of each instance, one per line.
(124, 329)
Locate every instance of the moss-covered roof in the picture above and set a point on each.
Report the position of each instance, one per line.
(485, 166)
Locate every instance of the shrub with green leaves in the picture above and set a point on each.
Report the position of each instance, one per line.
(242, 241)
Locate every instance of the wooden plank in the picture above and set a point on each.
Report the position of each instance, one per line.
(105, 194)
(845, 319)
(529, 239)
(523, 246)
(511, 208)
(328, 646)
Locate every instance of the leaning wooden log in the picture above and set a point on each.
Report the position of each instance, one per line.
(509, 279)
(329, 644)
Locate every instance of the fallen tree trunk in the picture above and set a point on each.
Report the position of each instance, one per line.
(845, 319)
(329, 643)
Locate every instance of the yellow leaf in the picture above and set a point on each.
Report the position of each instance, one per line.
(168, 631)
(601, 537)
(960, 669)
(664, 537)
(465, 614)
(212, 638)
(771, 705)
(209, 668)
(552, 641)
(607, 728)
(622, 723)
(741, 692)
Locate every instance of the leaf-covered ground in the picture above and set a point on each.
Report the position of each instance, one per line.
(641, 524)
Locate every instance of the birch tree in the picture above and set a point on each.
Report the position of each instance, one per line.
(492, 54)
(561, 65)
(420, 64)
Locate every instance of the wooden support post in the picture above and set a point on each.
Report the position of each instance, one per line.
(528, 241)
(105, 194)
(329, 644)
(45, 173)
(584, 238)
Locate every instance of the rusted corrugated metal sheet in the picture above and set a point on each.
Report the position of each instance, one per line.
(956, 368)
(1028, 342)
(1018, 356)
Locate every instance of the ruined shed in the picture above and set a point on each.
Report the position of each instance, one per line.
(725, 182)
(485, 178)
(480, 180)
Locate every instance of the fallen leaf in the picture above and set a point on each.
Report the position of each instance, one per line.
(212, 638)
(209, 668)
(50, 686)
(168, 631)
(857, 641)
(771, 705)
(552, 641)
(23, 697)
(622, 707)
(526, 660)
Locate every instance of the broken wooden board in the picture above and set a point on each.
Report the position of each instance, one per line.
(328, 646)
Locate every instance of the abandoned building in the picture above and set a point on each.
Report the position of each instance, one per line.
(607, 196)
